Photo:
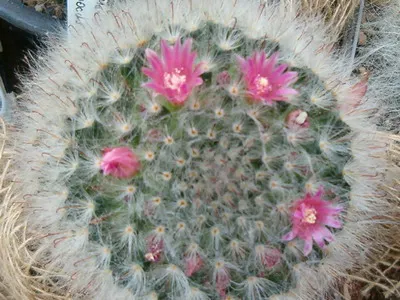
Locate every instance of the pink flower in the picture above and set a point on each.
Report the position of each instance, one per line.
(174, 74)
(357, 93)
(193, 263)
(221, 284)
(223, 78)
(297, 119)
(155, 248)
(154, 135)
(120, 162)
(222, 278)
(264, 80)
(267, 256)
(309, 217)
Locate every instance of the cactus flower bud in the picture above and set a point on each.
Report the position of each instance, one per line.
(297, 119)
(120, 162)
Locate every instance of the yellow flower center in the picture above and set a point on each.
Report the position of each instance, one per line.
(129, 230)
(262, 84)
(174, 80)
(310, 216)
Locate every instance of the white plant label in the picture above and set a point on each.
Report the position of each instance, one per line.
(80, 11)
(3, 99)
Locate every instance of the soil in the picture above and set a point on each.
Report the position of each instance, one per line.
(54, 8)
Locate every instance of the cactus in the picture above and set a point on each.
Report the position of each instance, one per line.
(197, 150)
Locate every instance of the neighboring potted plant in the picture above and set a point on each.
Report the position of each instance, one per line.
(22, 26)
(27, 18)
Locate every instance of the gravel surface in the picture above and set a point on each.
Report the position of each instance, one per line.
(55, 8)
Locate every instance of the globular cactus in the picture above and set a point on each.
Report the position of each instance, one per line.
(198, 150)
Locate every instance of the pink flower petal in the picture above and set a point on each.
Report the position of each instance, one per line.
(193, 264)
(167, 55)
(289, 236)
(319, 192)
(149, 72)
(286, 91)
(332, 222)
(318, 237)
(241, 61)
(187, 57)
(288, 77)
(198, 70)
(327, 234)
(153, 59)
(269, 64)
(280, 69)
(307, 246)
(155, 87)
(198, 81)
